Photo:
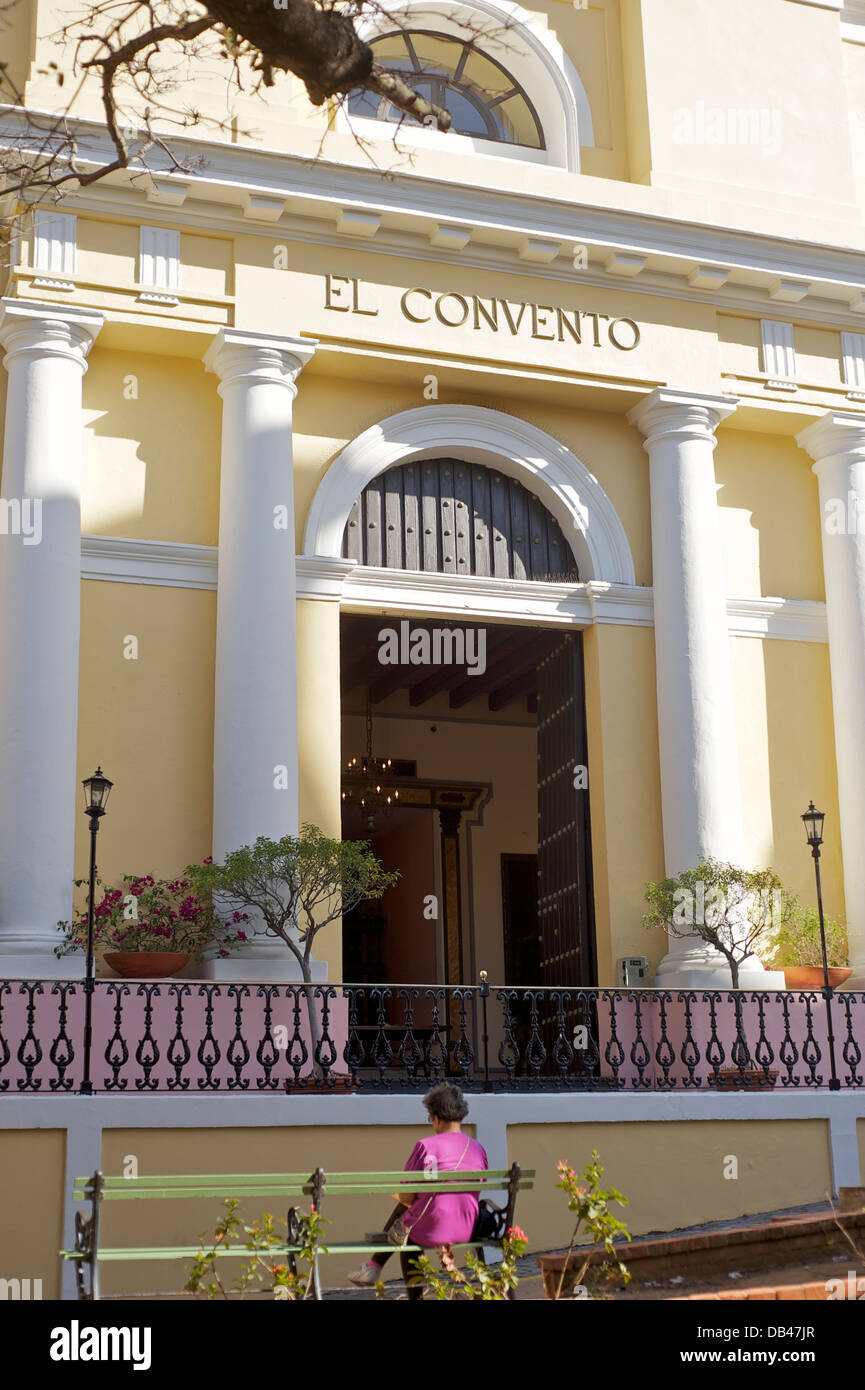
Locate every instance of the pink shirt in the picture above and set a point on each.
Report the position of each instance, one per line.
(449, 1218)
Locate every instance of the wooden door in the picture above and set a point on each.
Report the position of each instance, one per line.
(565, 900)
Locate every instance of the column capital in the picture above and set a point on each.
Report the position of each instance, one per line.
(666, 413)
(236, 354)
(835, 434)
(33, 327)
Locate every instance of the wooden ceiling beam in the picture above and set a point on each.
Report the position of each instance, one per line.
(520, 685)
(507, 662)
(392, 678)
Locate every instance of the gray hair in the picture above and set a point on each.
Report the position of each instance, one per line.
(446, 1102)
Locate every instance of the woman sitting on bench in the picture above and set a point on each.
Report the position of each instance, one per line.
(447, 1218)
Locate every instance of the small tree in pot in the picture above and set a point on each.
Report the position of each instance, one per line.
(722, 904)
(292, 888)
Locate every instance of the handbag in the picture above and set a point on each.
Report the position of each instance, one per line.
(490, 1225)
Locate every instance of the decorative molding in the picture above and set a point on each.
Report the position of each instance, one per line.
(540, 252)
(323, 577)
(125, 560)
(223, 175)
(54, 248)
(175, 564)
(778, 354)
(351, 222)
(261, 208)
(167, 192)
(853, 359)
(709, 277)
(449, 238)
(159, 259)
(789, 291)
(790, 619)
(576, 499)
(624, 263)
(152, 297)
(44, 282)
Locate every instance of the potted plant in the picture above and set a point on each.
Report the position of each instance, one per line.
(732, 909)
(799, 949)
(150, 928)
(291, 889)
(722, 904)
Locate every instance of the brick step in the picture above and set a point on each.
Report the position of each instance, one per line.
(815, 1291)
(790, 1240)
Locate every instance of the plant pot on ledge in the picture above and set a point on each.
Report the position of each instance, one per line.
(338, 1084)
(753, 1079)
(146, 965)
(811, 976)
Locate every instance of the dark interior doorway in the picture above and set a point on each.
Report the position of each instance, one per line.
(544, 920)
(520, 919)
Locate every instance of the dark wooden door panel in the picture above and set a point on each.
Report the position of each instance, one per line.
(453, 517)
(565, 902)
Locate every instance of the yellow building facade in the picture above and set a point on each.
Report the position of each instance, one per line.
(634, 304)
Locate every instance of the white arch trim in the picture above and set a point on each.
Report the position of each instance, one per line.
(589, 521)
(527, 49)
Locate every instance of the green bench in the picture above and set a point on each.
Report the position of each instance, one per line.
(291, 1188)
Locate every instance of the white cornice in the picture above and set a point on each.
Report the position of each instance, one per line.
(792, 619)
(499, 221)
(123, 560)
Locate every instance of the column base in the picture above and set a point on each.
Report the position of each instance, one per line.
(31, 963)
(263, 965)
(707, 969)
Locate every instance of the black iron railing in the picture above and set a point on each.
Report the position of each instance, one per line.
(191, 1037)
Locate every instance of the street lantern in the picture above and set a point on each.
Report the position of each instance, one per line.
(96, 792)
(813, 822)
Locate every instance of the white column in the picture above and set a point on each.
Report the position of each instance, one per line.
(255, 700)
(700, 796)
(837, 444)
(40, 615)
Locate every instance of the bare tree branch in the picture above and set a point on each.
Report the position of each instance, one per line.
(316, 41)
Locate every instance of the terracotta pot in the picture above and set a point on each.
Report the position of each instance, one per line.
(306, 1085)
(811, 976)
(146, 965)
(730, 1079)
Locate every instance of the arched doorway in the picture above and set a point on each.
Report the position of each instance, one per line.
(455, 507)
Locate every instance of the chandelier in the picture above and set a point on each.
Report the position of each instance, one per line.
(364, 780)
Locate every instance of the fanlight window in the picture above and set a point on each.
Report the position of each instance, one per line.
(483, 99)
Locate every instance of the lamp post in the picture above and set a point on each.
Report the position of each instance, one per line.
(96, 789)
(813, 822)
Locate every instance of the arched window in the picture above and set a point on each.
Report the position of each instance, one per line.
(484, 100)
